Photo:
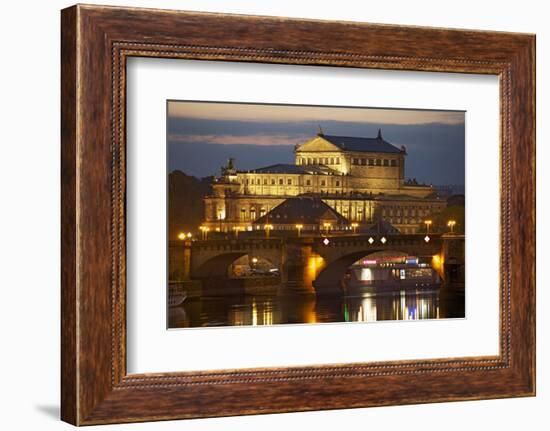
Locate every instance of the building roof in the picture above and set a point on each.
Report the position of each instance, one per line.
(381, 227)
(282, 168)
(372, 145)
(302, 210)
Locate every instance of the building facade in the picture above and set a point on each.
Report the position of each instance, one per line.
(362, 179)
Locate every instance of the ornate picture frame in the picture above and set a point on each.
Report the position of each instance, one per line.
(96, 41)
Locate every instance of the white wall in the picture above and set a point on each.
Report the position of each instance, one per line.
(29, 215)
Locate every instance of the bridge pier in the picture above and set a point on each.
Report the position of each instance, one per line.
(179, 260)
(179, 271)
(300, 266)
(453, 258)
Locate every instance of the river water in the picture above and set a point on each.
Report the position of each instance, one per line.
(439, 302)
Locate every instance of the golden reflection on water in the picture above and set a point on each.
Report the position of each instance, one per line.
(403, 307)
(266, 310)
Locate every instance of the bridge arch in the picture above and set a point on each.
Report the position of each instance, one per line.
(330, 277)
(217, 266)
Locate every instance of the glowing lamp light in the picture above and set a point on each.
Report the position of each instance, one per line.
(326, 241)
(427, 238)
(383, 240)
(428, 223)
(204, 230)
(254, 260)
(267, 228)
(451, 224)
(370, 240)
(181, 235)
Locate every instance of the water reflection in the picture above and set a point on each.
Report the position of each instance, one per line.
(444, 302)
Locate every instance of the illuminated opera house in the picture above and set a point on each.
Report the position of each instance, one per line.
(362, 181)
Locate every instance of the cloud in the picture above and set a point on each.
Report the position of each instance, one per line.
(255, 113)
(255, 139)
(200, 147)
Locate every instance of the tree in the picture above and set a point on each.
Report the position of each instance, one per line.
(185, 202)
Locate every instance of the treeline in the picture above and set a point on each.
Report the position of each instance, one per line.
(185, 202)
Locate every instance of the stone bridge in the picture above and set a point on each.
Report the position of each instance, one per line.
(325, 262)
(306, 264)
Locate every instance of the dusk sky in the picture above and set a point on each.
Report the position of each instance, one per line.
(202, 136)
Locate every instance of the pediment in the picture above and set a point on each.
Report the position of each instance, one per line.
(328, 216)
(317, 144)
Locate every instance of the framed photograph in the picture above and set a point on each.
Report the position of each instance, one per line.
(318, 214)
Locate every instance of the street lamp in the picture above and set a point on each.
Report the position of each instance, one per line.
(299, 227)
(221, 217)
(204, 230)
(182, 236)
(451, 224)
(354, 226)
(428, 223)
(267, 228)
(237, 229)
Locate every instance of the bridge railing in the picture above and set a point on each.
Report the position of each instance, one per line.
(326, 240)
